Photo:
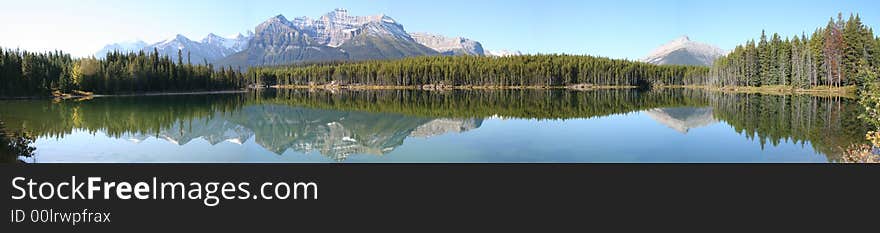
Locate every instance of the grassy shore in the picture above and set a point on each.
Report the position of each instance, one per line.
(825, 91)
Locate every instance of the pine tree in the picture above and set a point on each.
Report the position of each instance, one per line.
(853, 47)
(774, 46)
(763, 61)
(783, 61)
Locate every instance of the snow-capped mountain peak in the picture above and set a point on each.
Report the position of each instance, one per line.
(336, 27)
(212, 38)
(236, 43)
(279, 18)
(177, 41)
(684, 51)
(179, 37)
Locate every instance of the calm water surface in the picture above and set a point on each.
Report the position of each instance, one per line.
(416, 126)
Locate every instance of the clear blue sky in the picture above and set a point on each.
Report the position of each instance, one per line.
(611, 28)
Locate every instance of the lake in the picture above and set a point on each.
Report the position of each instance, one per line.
(411, 126)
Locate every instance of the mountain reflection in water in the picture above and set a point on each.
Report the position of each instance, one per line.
(335, 134)
(339, 125)
(683, 119)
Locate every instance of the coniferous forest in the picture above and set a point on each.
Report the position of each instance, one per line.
(843, 53)
(25, 73)
(527, 70)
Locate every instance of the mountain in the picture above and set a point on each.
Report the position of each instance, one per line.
(226, 46)
(132, 46)
(502, 53)
(383, 40)
(278, 41)
(334, 36)
(210, 49)
(683, 119)
(683, 51)
(335, 28)
(189, 49)
(449, 45)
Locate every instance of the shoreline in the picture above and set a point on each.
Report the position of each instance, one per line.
(174, 93)
(820, 91)
(447, 87)
(75, 97)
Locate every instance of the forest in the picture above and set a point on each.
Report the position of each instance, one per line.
(843, 53)
(25, 73)
(526, 70)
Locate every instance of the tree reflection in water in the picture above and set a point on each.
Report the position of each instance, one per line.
(337, 124)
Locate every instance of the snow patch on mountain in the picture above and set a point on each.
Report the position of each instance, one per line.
(337, 27)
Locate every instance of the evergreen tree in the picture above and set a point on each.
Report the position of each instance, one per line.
(764, 61)
(844, 52)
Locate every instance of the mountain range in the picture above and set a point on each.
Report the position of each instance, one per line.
(336, 35)
(339, 36)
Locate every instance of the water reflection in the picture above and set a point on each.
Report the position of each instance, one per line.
(683, 119)
(335, 134)
(339, 125)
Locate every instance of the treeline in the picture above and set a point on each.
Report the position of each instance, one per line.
(528, 70)
(844, 52)
(506, 103)
(25, 73)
